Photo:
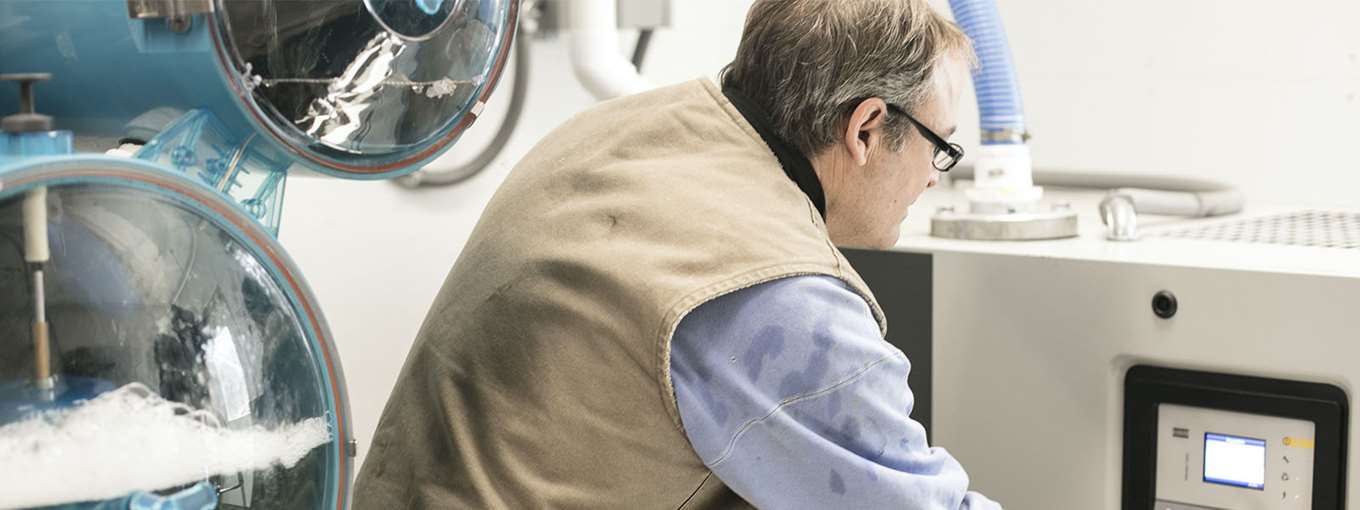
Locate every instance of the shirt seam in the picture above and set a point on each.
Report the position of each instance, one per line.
(685, 305)
(789, 401)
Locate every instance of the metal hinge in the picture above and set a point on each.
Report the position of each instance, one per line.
(178, 14)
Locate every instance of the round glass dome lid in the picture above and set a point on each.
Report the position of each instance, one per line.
(366, 85)
(185, 357)
(415, 20)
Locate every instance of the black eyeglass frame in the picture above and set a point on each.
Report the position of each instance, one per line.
(954, 150)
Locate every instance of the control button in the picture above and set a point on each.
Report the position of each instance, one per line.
(1298, 442)
(1284, 476)
(1286, 459)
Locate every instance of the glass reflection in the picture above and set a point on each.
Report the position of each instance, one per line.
(331, 74)
(180, 363)
(412, 19)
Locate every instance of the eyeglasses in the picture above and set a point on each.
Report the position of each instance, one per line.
(946, 154)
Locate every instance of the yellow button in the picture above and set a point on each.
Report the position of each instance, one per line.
(1298, 442)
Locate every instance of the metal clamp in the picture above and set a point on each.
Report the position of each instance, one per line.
(1005, 136)
(178, 14)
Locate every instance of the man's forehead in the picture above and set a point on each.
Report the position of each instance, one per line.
(950, 80)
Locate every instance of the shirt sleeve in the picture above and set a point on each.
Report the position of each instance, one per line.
(790, 395)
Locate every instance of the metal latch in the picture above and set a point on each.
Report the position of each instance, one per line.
(178, 14)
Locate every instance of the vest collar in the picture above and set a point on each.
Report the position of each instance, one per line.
(796, 164)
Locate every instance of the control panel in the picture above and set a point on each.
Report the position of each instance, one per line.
(1198, 440)
(1208, 458)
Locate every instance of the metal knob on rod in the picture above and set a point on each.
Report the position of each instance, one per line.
(28, 120)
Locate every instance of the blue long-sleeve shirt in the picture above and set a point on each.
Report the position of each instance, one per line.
(790, 395)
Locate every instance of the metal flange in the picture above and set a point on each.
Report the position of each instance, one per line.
(1060, 222)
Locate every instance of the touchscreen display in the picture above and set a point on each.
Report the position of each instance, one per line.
(1235, 461)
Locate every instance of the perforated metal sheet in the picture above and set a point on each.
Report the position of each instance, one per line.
(1322, 229)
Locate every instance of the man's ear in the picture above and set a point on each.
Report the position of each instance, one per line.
(864, 132)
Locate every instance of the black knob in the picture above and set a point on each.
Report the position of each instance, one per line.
(28, 120)
(1164, 304)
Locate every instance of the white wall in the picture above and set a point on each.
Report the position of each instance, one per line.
(1251, 92)
(1260, 94)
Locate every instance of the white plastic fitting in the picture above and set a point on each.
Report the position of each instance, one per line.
(35, 227)
(1003, 180)
(595, 55)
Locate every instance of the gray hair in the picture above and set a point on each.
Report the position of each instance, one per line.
(807, 62)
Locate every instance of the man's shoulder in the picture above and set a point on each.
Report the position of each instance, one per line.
(798, 302)
(800, 291)
(650, 102)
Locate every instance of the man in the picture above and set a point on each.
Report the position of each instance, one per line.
(652, 312)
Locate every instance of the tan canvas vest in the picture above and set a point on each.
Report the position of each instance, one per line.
(541, 377)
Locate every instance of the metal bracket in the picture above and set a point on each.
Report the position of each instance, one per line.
(178, 14)
(645, 13)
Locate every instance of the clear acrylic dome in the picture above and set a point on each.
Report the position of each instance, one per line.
(186, 353)
(350, 88)
(367, 78)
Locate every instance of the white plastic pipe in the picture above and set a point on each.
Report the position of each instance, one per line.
(35, 227)
(601, 68)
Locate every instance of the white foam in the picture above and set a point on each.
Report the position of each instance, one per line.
(132, 440)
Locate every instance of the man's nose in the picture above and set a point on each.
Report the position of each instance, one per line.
(934, 178)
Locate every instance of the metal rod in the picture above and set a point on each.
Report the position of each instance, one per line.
(42, 353)
(39, 297)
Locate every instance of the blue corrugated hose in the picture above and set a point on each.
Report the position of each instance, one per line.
(998, 90)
